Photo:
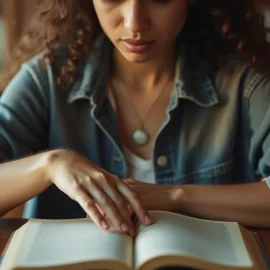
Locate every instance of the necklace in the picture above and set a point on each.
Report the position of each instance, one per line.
(139, 135)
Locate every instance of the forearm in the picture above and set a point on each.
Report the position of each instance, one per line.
(23, 179)
(248, 204)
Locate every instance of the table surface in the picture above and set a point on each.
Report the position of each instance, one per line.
(8, 226)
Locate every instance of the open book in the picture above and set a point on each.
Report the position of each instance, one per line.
(173, 240)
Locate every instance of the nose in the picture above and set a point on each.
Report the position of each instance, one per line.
(136, 18)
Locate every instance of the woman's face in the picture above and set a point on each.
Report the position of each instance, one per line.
(142, 30)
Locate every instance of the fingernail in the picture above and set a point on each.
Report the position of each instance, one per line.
(105, 225)
(124, 227)
(148, 220)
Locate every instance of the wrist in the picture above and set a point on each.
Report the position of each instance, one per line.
(48, 159)
(178, 197)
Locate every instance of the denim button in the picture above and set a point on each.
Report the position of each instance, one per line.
(162, 161)
(117, 158)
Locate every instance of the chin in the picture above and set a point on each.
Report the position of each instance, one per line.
(138, 58)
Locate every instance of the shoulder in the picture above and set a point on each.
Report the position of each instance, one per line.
(241, 76)
(256, 81)
(41, 70)
(256, 94)
(249, 87)
(45, 72)
(41, 63)
(61, 55)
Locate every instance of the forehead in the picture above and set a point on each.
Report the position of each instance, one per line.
(148, 7)
(154, 4)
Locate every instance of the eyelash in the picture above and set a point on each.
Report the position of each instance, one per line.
(108, 1)
(114, 1)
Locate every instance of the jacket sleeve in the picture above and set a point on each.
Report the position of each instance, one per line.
(257, 97)
(23, 116)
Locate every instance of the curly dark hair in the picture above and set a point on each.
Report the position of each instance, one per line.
(214, 29)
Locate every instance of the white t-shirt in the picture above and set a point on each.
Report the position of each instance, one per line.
(140, 169)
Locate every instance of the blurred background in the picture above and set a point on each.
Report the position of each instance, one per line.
(14, 14)
(2, 38)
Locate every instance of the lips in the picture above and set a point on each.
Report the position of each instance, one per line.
(137, 42)
(137, 46)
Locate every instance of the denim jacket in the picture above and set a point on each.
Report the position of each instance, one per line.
(216, 129)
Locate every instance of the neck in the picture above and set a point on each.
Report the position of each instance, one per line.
(146, 76)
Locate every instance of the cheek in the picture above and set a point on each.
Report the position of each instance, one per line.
(108, 22)
(106, 16)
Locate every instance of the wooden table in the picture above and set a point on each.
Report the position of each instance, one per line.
(7, 226)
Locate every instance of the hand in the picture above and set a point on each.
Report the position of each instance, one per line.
(94, 188)
(130, 212)
(154, 196)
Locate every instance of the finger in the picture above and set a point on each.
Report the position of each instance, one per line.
(88, 205)
(107, 205)
(122, 206)
(136, 203)
(109, 186)
(101, 211)
(112, 213)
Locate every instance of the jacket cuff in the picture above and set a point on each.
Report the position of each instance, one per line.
(267, 181)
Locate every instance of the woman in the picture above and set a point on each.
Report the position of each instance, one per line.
(150, 99)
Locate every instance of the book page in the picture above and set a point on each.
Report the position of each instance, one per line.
(175, 234)
(52, 243)
(13, 249)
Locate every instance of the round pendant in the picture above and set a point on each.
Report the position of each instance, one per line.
(140, 137)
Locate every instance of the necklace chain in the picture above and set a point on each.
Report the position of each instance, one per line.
(140, 136)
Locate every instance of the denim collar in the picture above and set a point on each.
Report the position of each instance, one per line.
(189, 84)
